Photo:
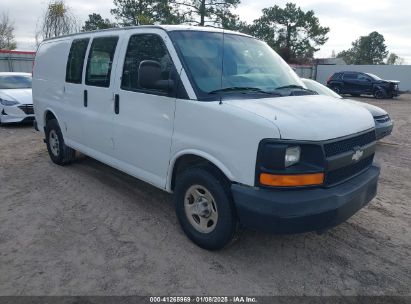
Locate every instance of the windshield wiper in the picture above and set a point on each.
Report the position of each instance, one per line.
(291, 86)
(241, 89)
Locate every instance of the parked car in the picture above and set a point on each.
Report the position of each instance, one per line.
(215, 117)
(358, 83)
(16, 103)
(383, 122)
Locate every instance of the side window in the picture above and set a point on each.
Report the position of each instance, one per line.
(363, 77)
(100, 60)
(75, 62)
(350, 76)
(143, 47)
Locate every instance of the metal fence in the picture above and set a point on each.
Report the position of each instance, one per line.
(16, 61)
(304, 71)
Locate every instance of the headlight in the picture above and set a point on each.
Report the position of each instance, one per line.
(8, 102)
(292, 156)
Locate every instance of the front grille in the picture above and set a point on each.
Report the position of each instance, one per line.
(28, 109)
(349, 144)
(339, 175)
(382, 119)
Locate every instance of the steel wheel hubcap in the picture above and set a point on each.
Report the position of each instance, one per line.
(201, 209)
(54, 143)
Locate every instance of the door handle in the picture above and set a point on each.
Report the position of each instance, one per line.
(116, 103)
(85, 98)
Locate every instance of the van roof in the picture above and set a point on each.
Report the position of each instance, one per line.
(167, 28)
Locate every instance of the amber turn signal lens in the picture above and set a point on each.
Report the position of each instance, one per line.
(291, 180)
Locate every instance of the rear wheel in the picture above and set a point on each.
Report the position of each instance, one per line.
(336, 89)
(59, 153)
(204, 208)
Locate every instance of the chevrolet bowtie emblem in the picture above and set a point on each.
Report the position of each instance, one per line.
(357, 155)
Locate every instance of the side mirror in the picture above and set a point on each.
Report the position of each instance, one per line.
(149, 77)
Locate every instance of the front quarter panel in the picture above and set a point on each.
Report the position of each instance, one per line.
(225, 135)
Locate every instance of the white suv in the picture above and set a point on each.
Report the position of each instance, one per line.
(216, 117)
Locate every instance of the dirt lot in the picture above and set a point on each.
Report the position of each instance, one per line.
(87, 229)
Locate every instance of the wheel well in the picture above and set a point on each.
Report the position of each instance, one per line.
(49, 116)
(190, 160)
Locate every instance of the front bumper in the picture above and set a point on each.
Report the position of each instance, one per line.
(303, 210)
(13, 114)
(396, 92)
(383, 129)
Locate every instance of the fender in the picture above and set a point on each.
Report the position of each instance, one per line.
(43, 120)
(199, 153)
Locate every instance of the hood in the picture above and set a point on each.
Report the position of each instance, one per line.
(393, 81)
(312, 118)
(374, 110)
(23, 96)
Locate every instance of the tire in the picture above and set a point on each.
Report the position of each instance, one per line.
(380, 94)
(336, 90)
(59, 153)
(205, 208)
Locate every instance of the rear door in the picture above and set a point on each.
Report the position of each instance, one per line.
(143, 124)
(350, 83)
(98, 95)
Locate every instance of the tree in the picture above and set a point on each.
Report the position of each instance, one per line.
(394, 59)
(369, 49)
(7, 41)
(140, 12)
(57, 20)
(293, 33)
(201, 12)
(96, 22)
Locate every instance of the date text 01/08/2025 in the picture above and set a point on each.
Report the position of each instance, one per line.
(203, 299)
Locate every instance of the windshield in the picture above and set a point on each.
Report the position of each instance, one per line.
(373, 76)
(15, 82)
(219, 63)
(319, 88)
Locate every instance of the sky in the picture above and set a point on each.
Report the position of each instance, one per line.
(347, 20)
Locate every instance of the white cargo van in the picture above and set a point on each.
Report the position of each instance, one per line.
(216, 117)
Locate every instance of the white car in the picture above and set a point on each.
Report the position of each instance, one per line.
(16, 102)
(383, 122)
(215, 117)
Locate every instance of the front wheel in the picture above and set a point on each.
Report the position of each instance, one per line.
(380, 94)
(59, 153)
(204, 208)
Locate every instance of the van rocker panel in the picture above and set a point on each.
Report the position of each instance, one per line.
(303, 210)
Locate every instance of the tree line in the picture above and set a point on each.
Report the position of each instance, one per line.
(295, 34)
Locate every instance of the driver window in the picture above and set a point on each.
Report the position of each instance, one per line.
(143, 47)
(362, 77)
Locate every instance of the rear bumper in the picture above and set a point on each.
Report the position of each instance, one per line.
(303, 210)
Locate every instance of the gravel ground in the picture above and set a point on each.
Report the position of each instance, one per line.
(87, 229)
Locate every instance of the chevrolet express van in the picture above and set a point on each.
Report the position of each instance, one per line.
(213, 116)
